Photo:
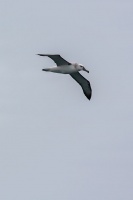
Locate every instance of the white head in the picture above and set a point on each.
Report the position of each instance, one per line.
(81, 67)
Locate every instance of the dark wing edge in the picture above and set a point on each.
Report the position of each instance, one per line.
(84, 83)
(57, 59)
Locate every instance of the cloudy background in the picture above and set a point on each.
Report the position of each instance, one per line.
(54, 143)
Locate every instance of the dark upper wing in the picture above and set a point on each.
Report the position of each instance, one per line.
(84, 83)
(57, 59)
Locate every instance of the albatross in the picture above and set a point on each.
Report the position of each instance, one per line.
(65, 67)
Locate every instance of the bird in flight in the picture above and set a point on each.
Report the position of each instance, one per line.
(65, 67)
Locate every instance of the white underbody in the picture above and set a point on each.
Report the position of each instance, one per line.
(65, 69)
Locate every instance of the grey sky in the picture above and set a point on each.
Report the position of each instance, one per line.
(54, 143)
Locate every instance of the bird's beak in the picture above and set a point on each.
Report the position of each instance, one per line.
(85, 70)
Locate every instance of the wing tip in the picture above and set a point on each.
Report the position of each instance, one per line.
(88, 95)
(39, 54)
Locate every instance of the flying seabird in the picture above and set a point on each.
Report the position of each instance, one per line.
(64, 67)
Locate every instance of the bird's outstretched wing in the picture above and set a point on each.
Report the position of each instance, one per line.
(84, 83)
(57, 59)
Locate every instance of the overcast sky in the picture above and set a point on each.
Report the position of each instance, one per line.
(55, 144)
